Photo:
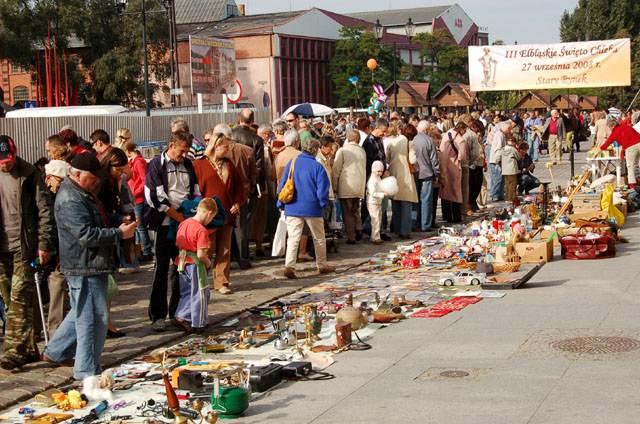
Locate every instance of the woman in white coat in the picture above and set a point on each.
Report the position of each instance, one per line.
(398, 159)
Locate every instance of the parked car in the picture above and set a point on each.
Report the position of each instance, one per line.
(462, 278)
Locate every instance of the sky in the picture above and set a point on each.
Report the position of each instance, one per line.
(527, 22)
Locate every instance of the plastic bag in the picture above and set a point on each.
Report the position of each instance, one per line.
(606, 204)
(280, 239)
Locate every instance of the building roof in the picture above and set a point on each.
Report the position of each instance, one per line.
(346, 20)
(590, 101)
(239, 25)
(419, 15)
(564, 100)
(419, 91)
(196, 11)
(470, 97)
(543, 96)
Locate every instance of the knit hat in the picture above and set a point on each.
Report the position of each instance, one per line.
(377, 166)
(7, 148)
(86, 162)
(57, 168)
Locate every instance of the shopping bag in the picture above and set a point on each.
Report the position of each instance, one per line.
(606, 204)
(280, 239)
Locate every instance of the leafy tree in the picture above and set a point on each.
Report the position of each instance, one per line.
(601, 20)
(445, 61)
(353, 50)
(112, 63)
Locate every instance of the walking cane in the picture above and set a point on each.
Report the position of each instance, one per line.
(37, 275)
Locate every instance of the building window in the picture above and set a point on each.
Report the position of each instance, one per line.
(17, 69)
(20, 93)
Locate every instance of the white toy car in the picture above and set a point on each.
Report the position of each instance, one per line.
(462, 278)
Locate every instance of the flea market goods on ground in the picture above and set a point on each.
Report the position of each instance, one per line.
(298, 337)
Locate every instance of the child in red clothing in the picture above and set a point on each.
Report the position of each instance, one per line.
(193, 262)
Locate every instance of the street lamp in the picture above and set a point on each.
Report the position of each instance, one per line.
(409, 29)
(122, 5)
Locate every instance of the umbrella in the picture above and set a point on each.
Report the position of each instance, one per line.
(309, 109)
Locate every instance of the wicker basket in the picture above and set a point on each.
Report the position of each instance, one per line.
(511, 264)
(463, 264)
(505, 267)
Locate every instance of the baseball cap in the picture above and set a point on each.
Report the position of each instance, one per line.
(86, 162)
(7, 148)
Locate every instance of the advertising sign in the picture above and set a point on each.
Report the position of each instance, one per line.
(213, 65)
(604, 63)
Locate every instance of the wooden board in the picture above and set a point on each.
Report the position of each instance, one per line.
(515, 279)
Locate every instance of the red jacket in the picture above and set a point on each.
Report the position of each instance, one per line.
(625, 135)
(139, 170)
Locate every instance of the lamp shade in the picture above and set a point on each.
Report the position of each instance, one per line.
(378, 29)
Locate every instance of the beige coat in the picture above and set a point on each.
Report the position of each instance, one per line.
(398, 159)
(349, 172)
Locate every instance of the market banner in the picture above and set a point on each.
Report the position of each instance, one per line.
(213, 65)
(605, 63)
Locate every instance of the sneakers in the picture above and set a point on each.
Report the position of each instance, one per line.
(159, 325)
(290, 273)
(225, 290)
(377, 241)
(327, 269)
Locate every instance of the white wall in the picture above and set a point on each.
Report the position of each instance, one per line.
(314, 24)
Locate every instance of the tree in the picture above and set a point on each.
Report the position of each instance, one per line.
(445, 60)
(601, 20)
(112, 63)
(355, 47)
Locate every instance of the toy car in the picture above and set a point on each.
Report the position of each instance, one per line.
(462, 278)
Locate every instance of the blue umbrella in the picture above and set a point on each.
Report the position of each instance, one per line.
(309, 109)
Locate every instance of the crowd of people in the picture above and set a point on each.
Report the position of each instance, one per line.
(93, 209)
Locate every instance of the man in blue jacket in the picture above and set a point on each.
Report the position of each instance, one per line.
(311, 197)
(86, 258)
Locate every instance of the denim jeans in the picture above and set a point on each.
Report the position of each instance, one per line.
(534, 144)
(84, 330)
(142, 232)
(497, 183)
(426, 204)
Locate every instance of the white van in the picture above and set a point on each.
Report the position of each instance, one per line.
(53, 112)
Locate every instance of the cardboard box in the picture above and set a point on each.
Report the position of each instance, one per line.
(535, 251)
(588, 214)
(581, 205)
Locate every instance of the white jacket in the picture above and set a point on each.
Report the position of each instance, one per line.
(374, 192)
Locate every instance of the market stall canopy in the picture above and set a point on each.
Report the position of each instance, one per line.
(309, 109)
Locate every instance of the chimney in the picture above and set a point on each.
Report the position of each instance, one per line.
(242, 9)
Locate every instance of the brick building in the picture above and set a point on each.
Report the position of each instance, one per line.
(16, 84)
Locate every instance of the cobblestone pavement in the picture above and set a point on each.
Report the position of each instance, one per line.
(260, 284)
(252, 287)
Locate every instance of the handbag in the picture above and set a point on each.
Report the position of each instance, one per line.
(583, 246)
(288, 189)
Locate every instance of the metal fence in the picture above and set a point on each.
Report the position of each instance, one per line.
(30, 134)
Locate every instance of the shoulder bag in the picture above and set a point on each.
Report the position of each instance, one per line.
(288, 189)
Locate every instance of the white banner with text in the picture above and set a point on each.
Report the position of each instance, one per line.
(605, 63)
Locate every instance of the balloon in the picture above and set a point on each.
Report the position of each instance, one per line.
(372, 64)
(354, 80)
